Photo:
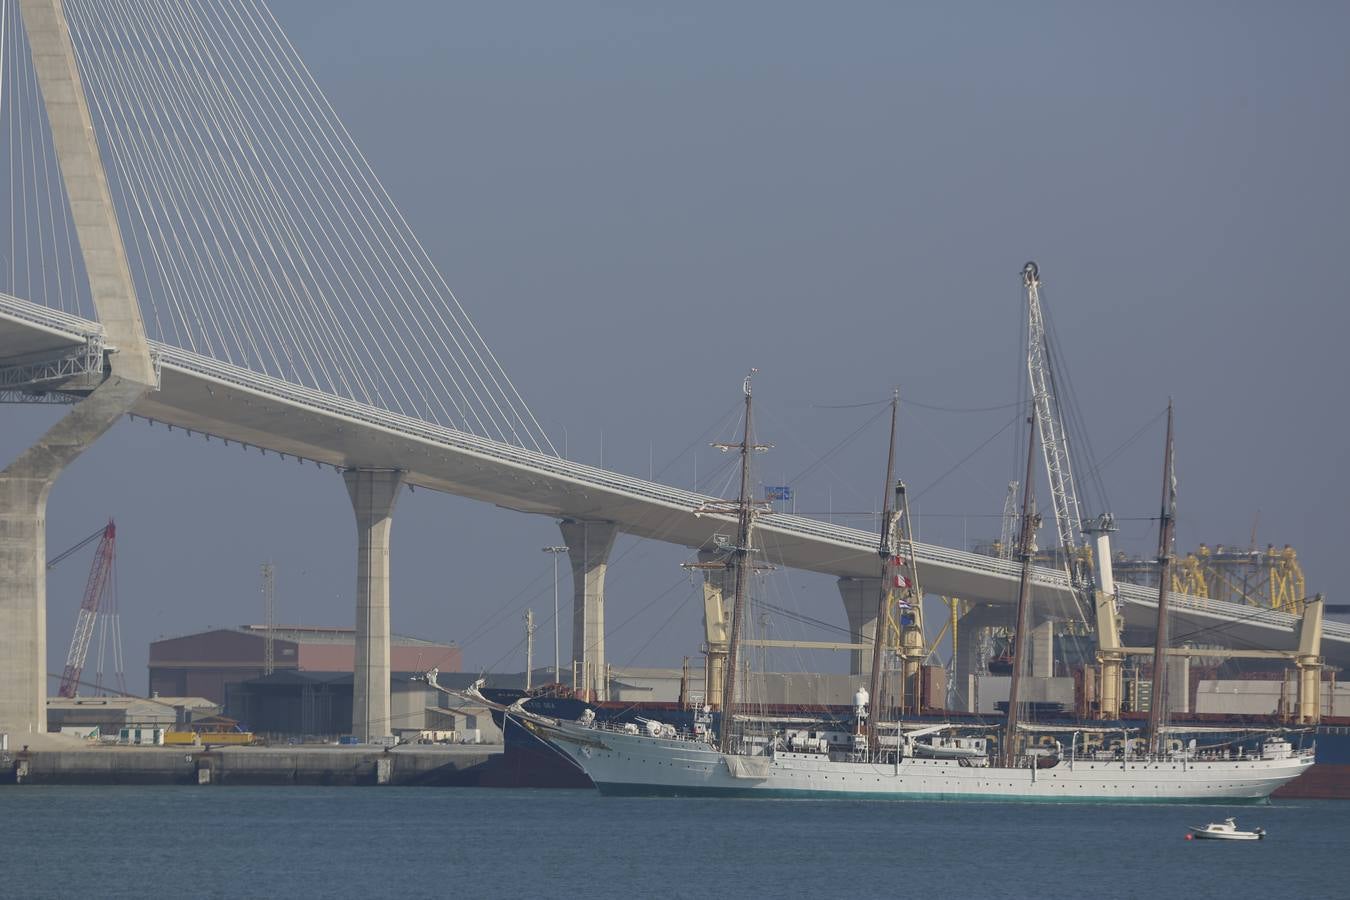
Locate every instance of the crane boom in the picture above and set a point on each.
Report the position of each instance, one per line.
(100, 577)
(1007, 542)
(60, 557)
(1054, 436)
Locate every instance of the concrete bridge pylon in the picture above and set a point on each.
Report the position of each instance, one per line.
(26, 483)
(860, 607)
(588, 546)
(967, 661)
(373, 493)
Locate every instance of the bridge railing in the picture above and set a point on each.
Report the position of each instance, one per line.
(75, 327)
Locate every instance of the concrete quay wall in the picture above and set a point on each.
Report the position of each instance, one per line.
(251, 765)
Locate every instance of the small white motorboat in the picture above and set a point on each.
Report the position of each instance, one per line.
(1226, 830)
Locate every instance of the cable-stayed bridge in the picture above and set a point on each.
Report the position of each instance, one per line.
(279, 300)
(232, 403)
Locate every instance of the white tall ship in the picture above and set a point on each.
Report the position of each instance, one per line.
(878, 760)
(624, 763)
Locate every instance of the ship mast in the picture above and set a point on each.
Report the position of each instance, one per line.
(1025, 551)
(886, 550)
(1157, 708)
(740, 561)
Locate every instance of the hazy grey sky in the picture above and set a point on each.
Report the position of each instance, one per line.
(637, 204)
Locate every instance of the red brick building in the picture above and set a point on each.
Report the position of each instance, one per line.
(202, 664)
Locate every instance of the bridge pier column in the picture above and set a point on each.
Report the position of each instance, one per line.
(588, 546)
(23, 604)
(860, 606)
(373, 493)
(1178, 684)
(967, 662)
(26, 483)
(1043, 649)
(24, 487)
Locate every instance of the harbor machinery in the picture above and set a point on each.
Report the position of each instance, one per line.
(99, 594)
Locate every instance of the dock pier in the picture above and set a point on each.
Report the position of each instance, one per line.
(429, 765)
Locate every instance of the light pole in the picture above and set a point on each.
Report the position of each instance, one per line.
(557, 672)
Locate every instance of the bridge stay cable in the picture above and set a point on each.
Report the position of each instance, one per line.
(39, 258)
(265, 185)
(257, 231)
(236, 190)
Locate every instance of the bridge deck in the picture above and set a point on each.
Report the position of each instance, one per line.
(216, 398)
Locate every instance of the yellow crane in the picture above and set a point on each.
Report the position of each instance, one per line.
(1270, 578)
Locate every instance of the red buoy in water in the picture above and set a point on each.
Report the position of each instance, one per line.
(1190, 837)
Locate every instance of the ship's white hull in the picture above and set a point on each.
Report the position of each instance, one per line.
(621, 763)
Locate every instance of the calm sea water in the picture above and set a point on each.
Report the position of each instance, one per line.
(425, 842)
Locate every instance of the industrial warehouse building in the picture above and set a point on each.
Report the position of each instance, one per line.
(102, 717)
(205, 664)
(317, 706)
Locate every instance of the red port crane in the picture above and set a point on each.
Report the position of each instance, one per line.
(95, 589)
